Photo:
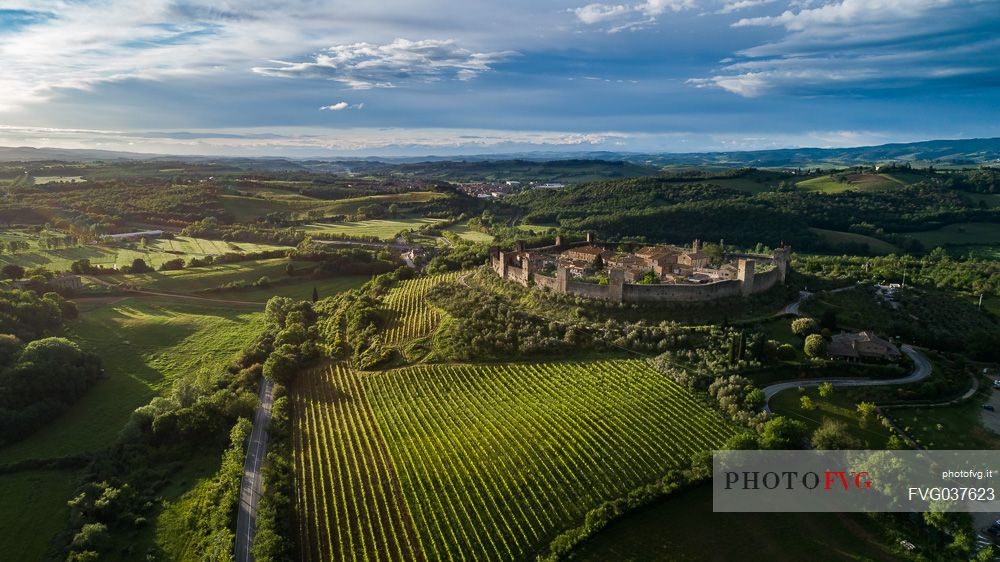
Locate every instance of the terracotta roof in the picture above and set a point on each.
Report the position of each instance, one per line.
(592, 250)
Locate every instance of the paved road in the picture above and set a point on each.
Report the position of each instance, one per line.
(921, 369)
(246, 520)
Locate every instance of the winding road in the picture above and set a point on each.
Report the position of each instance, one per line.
(250, 485)
(921, 369)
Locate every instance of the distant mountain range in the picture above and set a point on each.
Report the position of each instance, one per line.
(960, 152)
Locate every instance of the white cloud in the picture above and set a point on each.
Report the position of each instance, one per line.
(622, 17)
(740, 5)
(657, 7)
(366, 65)
(73, 44)
(597, 13)
(342, 105)
(859, 46)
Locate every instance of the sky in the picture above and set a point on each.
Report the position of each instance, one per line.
(321, 78)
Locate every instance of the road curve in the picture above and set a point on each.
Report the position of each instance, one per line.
(921, 369)
(250, 485)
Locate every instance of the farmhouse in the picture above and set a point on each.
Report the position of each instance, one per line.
(679, 274)
(861, 346)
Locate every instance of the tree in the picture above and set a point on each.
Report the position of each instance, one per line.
(139, 265)
(745, 441)
(782, 433)
(866, 413)
(815, 345)
(833, 434)
(786, 352)
(802, 327)
(826, 389)
(806, 403)
(315, 295)
(290, 269)
(12, 271)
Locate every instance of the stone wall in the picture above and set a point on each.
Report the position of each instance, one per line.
(681, 293)
(763, 282)
(750, 280)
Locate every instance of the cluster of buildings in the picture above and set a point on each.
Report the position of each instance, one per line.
(861, 346)
(650, 273)
(667, 263)
(487, 190)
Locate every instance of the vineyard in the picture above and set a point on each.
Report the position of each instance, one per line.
(410, 315)
(492, 461)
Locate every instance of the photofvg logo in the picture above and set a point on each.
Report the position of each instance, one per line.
(830, 480)
(855, 481)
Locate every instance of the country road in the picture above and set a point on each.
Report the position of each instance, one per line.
(921, 369)
(250, 485)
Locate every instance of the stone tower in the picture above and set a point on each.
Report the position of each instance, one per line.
(745, 273)
(696, 246)
(590, 237)
(616, 284)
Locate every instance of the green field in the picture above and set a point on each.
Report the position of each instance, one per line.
(466, 233)
(966, 233)
(157, 252)
(197, 280)
(836, 407)
(383, 229)
(33, 510)
(684, 528)
(862, 182)
(248, 209)
(949, 427)
(875, 246)
(492, 461)
(145, 345)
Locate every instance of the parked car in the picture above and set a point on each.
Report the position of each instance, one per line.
(989, 408)
(996, 384)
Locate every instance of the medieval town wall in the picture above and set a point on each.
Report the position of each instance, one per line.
(506, 266)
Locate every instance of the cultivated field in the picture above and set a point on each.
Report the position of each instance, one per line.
(410, 316)
(383, 229)
(862, 182)
(875, 246)
(492, 461)
(157, 252)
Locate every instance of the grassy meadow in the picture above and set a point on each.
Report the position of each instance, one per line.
(383, 229)
(145, 344)
(298, 207)
(684, 528)
(875, 246)
(861, 182)
(960, 234)
(466, 233)
(157, 251)
(33, 511)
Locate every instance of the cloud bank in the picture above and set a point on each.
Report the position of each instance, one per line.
(363, 66)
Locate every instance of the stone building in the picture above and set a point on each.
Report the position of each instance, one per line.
(685, 275)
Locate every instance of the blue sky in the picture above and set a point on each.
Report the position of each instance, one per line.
(314, 78)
